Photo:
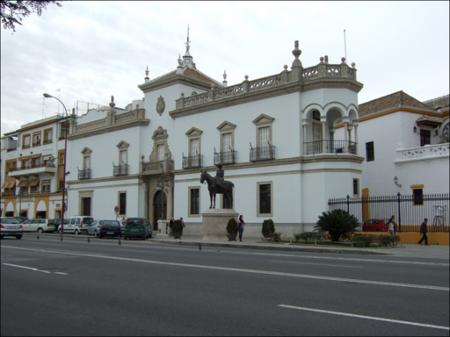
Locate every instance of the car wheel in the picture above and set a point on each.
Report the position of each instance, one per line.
(76, 232)
(1, 237)
(150, 236)
(18, 237)
(40, 230)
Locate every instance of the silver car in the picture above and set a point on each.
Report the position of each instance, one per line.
(10, 227)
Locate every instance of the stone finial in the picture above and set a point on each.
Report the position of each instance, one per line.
(146, 78)
(112, 104)
(321, 59)
(180, 61)
(246, 77)
(285, 67)
(353, 64)
(326, 59)
(296, 52)
(343, 59)
(224, 82)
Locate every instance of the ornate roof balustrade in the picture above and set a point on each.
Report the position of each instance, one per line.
(112, 120)
(322, 71)
(423, 152)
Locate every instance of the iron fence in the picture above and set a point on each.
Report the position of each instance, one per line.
(329, 146)
(192, 161)
(228, 157)
(410, 211)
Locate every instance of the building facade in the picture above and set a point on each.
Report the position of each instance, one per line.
(275, 137)
(32, 169)
(405, 145)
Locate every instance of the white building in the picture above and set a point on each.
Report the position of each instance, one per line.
(32, 159)
(405, 144)
(274, 136)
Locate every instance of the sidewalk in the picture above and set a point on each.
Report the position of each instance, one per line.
(403, 250)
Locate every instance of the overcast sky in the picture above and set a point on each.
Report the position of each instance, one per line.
(88, 51)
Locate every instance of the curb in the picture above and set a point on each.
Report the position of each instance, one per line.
(282, 248)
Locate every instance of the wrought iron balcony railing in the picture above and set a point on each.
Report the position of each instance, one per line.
(224, 158)
(120, 170)
(192, 161)
(262, 153)
(329, 146)
(84, 174)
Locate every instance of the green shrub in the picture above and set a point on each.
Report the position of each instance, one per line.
(232, 229)
(268, 228)
(309, 236)
(276, 237)
(177, 229)
(337, 223)
(362, 240)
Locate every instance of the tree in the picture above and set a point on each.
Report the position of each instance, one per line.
(337, 223)
(12, 12)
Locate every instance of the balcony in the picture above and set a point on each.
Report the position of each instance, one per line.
(120, 170)
(84, 174)
(426, 152)
(157, 167)
(46, 167)
(262, 153)
(224, 158)
(192, 161)
(329, 146)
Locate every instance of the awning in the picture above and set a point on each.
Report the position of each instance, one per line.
(34, 182)
(10, 184)
(23, 183)
(428, 121)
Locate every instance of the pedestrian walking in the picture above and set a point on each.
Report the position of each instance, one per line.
(392, 229)
(240, 226)
(423, 231)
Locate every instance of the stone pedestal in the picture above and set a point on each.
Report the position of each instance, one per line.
(215, 223)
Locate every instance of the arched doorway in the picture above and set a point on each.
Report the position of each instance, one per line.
(159, 208)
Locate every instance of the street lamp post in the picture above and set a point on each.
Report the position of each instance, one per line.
(64, 164)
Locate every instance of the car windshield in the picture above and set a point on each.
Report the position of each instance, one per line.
(9, 221)
(112, 223)
(135, 221)
(88, 221)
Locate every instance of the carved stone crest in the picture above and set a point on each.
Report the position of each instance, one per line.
(160, 105)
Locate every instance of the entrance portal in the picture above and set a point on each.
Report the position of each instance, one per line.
(159, 208)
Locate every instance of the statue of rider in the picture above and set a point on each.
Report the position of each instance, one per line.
(220, 175)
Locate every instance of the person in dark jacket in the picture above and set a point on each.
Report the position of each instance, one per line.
(423, 231)
(240, 226)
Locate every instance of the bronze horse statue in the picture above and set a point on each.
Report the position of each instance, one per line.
(214, 186)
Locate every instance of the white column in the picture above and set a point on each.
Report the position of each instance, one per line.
(324, 135)
(355, 124)
(305, 135)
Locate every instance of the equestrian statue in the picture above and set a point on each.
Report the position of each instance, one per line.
(216, 185)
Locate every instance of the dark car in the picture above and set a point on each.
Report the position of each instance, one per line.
(109, 228)
(374, 225)
(10, 227)
(137, 228)
(56, 223)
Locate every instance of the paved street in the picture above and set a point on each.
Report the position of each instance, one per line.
(75, 287)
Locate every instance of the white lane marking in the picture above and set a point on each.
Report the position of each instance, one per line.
(315, 264)
(424, 325)
(59, 273)
(32, 269)
(242, 270)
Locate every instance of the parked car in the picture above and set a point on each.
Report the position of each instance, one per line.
(56, 223)
(92, 228)
(374, 225)
(38, 225)
(77, 224)
(21, 219)
(10, 227)
(109, 228)
(137, 228)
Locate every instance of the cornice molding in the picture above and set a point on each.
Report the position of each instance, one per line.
(108, 129)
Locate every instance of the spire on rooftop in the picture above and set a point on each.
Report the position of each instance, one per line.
(188, 60)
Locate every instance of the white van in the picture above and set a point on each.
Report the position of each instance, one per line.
(77, 224)
(37, 225)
